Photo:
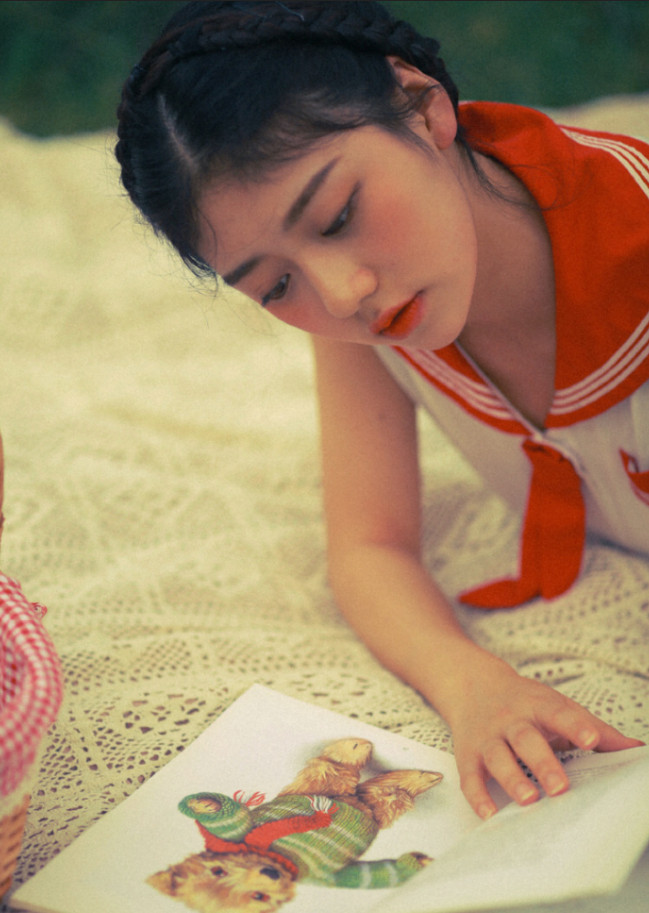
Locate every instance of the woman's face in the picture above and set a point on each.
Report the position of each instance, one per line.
(367, 238)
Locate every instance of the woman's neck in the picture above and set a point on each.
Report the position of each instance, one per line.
(510, 332)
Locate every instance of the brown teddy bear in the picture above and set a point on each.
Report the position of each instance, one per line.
(315, 829)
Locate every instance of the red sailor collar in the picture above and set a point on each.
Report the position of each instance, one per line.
(593, 190)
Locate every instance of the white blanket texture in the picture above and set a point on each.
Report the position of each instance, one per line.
(163, 501)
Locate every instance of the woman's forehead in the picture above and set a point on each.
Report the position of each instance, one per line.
(241, 215)
(276, 198)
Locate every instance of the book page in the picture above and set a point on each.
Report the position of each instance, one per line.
(258, 746)
(584, 842)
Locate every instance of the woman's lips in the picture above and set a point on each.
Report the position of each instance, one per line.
(398, 322)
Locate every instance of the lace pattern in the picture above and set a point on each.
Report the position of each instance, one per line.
(162, 499)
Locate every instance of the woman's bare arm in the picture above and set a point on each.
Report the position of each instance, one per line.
(372, 506)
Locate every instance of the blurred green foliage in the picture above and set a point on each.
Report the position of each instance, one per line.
(544, 53)
(62, 63)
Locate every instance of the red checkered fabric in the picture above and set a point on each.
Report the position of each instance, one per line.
(31, 683)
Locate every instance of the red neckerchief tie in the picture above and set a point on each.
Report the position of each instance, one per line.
(553, 535)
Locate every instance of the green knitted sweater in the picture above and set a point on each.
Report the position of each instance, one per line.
(320, 839)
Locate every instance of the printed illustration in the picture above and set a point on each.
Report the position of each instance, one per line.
(316, 829)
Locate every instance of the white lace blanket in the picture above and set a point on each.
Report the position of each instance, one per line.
(162, 499)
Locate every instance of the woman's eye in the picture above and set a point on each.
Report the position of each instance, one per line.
(278, 291)
(343, 217)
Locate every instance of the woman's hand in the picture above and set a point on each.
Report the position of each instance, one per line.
(502, 718)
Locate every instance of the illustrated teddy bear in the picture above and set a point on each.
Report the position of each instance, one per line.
(315, 829)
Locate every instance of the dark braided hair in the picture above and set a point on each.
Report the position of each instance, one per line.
(237, 88)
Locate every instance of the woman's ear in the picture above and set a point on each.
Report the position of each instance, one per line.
(431, 101)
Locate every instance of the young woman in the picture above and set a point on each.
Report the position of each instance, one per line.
(474, 259)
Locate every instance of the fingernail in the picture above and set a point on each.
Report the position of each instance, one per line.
(587, 738)
(486, 811)
(525, 792)
(555, 785)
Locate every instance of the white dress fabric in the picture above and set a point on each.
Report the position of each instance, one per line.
(616, 510)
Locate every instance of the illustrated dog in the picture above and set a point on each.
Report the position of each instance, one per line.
(315, 829)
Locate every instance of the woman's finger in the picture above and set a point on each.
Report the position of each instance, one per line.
(579, 727)
(473, 785)
(501, 763)
(533, 749)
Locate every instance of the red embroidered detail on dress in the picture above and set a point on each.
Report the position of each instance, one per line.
(639, 480)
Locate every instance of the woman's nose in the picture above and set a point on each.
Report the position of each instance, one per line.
(342, 286)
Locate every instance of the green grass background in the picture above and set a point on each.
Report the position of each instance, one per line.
(62, 63)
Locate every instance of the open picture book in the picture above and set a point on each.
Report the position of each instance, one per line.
(285, 805)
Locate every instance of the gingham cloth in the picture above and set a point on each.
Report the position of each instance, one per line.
(31, 683)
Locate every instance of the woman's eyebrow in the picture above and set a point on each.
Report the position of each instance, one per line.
(298, 207)
(240, 272)
(292, 216)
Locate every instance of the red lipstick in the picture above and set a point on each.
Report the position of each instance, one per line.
(398, 322)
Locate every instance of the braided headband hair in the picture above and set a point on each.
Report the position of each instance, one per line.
(206, 92)
(205, 27)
